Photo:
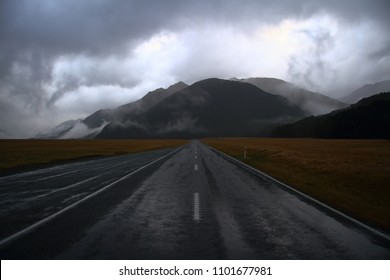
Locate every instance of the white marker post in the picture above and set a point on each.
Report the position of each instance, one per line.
(245, 152)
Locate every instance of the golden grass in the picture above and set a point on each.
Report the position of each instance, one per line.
(27, 153)
(350, 175)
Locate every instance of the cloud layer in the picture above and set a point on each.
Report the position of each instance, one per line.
(66, 59)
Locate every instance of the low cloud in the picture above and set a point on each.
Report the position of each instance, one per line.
(311, 68)
(81, 130)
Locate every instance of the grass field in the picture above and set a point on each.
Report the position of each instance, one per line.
(19, 154)
(351, 175)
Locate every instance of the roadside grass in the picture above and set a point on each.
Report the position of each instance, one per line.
(352, 176)
(24, 154)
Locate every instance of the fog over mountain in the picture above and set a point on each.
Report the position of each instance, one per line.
(62, 60)
(207, 108)
(366, 91)
(124, 112)
(93, 124)
(367, 119)
(312, 102)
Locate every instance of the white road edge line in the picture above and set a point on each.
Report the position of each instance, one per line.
(196, 216)
(53, 216)
(367, 227)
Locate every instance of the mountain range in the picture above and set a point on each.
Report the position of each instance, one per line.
(367, 119)
(208, 108)
(92, 125)
(312, 102)
(366, 91)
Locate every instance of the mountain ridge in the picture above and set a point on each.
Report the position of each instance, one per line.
(90, 126)
(367, 119)
(139, 106)
(366, 91)
(197, 110)
(208, 108)
(313, 103)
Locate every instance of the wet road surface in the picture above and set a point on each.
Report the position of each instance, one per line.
(192, 204)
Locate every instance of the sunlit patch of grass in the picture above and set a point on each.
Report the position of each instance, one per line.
(351, 175)
(29, 153)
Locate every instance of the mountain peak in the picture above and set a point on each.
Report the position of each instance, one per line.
(176, 87)
(209, 108)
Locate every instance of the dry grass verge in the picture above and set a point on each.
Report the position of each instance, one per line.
(350, 175)
(19, 154)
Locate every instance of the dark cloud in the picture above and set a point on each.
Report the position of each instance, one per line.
(383, 52)
(93, 27)
(105, 27)
(36, 34)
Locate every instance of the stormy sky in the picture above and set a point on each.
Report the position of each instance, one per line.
(63, 60)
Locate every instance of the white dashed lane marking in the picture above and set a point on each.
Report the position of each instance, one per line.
(196, 215)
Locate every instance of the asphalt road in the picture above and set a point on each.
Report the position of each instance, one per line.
(192, 204)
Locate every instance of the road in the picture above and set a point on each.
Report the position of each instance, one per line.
(194, 203)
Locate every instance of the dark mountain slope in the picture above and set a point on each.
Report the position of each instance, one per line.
(312, 102)
(367, 119)
(125, 112)
(93, 124)
(209, 108)
(366, 91)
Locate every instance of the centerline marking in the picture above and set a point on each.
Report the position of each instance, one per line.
(196, 215)
(196, 167)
